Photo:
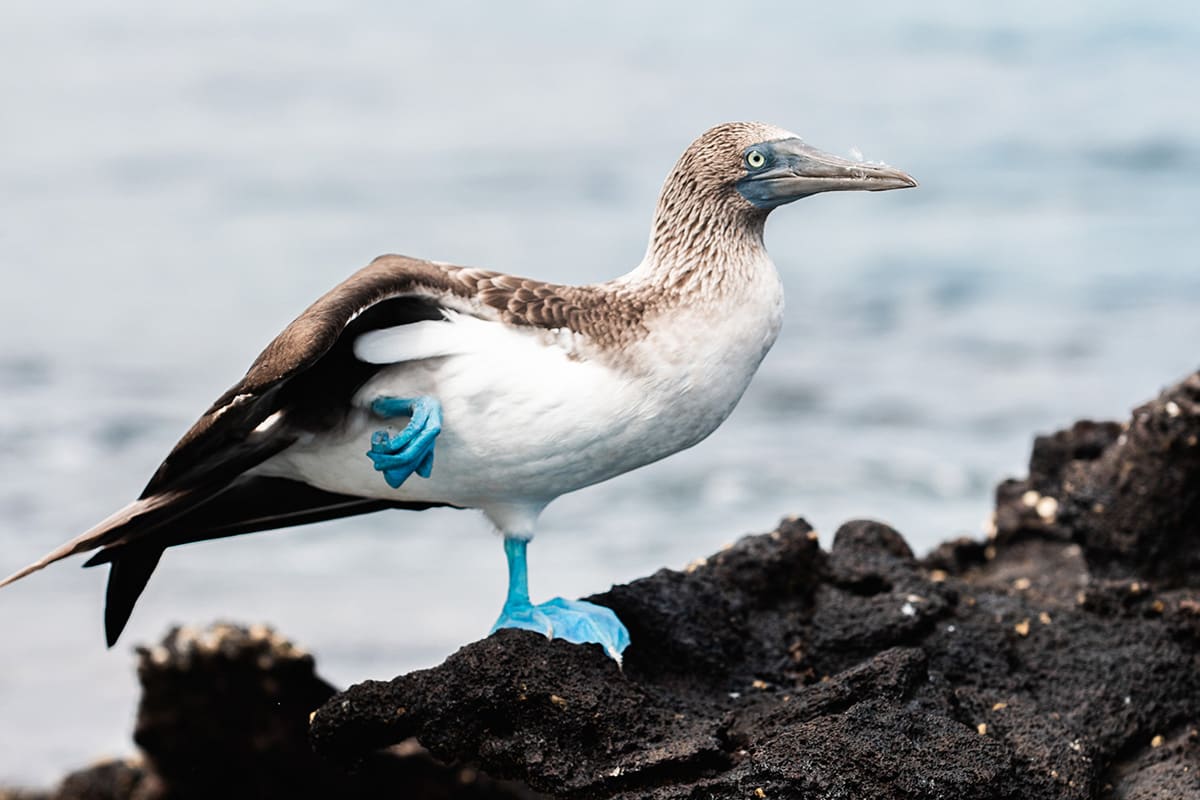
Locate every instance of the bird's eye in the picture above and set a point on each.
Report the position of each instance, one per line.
(755, 159)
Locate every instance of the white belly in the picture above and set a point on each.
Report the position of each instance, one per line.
(524, 421)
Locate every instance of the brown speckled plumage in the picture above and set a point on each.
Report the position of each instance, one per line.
(704, 231)
(607, 314)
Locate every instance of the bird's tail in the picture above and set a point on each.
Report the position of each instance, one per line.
(121, 526)
(132, 540)
(127, 578)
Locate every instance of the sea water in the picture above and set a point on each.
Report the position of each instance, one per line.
(177, 183)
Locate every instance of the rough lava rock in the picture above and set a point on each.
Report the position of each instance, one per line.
(1059, 659)
(1129, 494)
(882, 678)
(225, 713)
(228, 705)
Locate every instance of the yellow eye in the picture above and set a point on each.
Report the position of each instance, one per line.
(755, 159)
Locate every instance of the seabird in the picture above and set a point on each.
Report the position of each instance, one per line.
(415, 384)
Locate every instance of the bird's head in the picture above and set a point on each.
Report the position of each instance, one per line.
(716, 200)
(751, 167)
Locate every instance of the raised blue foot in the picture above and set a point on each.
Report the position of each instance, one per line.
(411, 450)
(576, 621)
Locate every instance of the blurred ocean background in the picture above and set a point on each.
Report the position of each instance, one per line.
(177, 182)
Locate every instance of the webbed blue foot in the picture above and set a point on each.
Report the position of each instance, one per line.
(576, 621)
(411, 450)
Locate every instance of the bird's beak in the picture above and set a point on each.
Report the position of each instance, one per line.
(799, 170)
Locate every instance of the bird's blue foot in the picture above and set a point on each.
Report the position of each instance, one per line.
(411, 450)
(576, 621)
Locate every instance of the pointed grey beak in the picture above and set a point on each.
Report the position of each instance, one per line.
(792, 169)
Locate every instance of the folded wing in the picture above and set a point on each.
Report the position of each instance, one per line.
(301, 383)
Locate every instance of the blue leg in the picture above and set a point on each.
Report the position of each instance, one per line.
(411, 450)
(574, 620)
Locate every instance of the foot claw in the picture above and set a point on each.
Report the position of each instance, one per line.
(425, 468)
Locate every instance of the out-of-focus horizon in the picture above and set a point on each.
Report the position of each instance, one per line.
(178, 182)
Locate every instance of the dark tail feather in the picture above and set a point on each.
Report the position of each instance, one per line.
(258, 504)
(130, 522)
(127, 577)
(133, 539)
(246, 506)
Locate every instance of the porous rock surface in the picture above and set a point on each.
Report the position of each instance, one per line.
(1061, 659)
(1128, 493)
(224, 714)
(1058, 659)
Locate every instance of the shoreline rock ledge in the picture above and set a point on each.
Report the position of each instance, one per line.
(1059, 659)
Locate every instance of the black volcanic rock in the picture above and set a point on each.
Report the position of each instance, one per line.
(224, 714)
(1060, 659)
(1021, 678)
(1129, 494)
(228, 706)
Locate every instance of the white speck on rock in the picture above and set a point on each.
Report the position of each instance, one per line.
(908, 610)
(1047, 509)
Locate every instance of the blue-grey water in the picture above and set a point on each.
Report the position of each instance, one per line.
(178, 181)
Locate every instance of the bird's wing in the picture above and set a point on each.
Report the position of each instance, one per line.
(239, 431)
(299, 383)
(309, 369)
(317, 353)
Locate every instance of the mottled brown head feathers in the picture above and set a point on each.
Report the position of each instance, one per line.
(701, 219)
(712, 164)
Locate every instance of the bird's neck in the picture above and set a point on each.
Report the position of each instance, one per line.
(701, 248)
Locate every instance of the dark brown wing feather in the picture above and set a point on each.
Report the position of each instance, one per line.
(223, 444)
(289, 370)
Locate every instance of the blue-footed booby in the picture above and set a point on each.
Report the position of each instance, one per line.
(415, 384)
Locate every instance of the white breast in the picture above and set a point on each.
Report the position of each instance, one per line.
(702, 356)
